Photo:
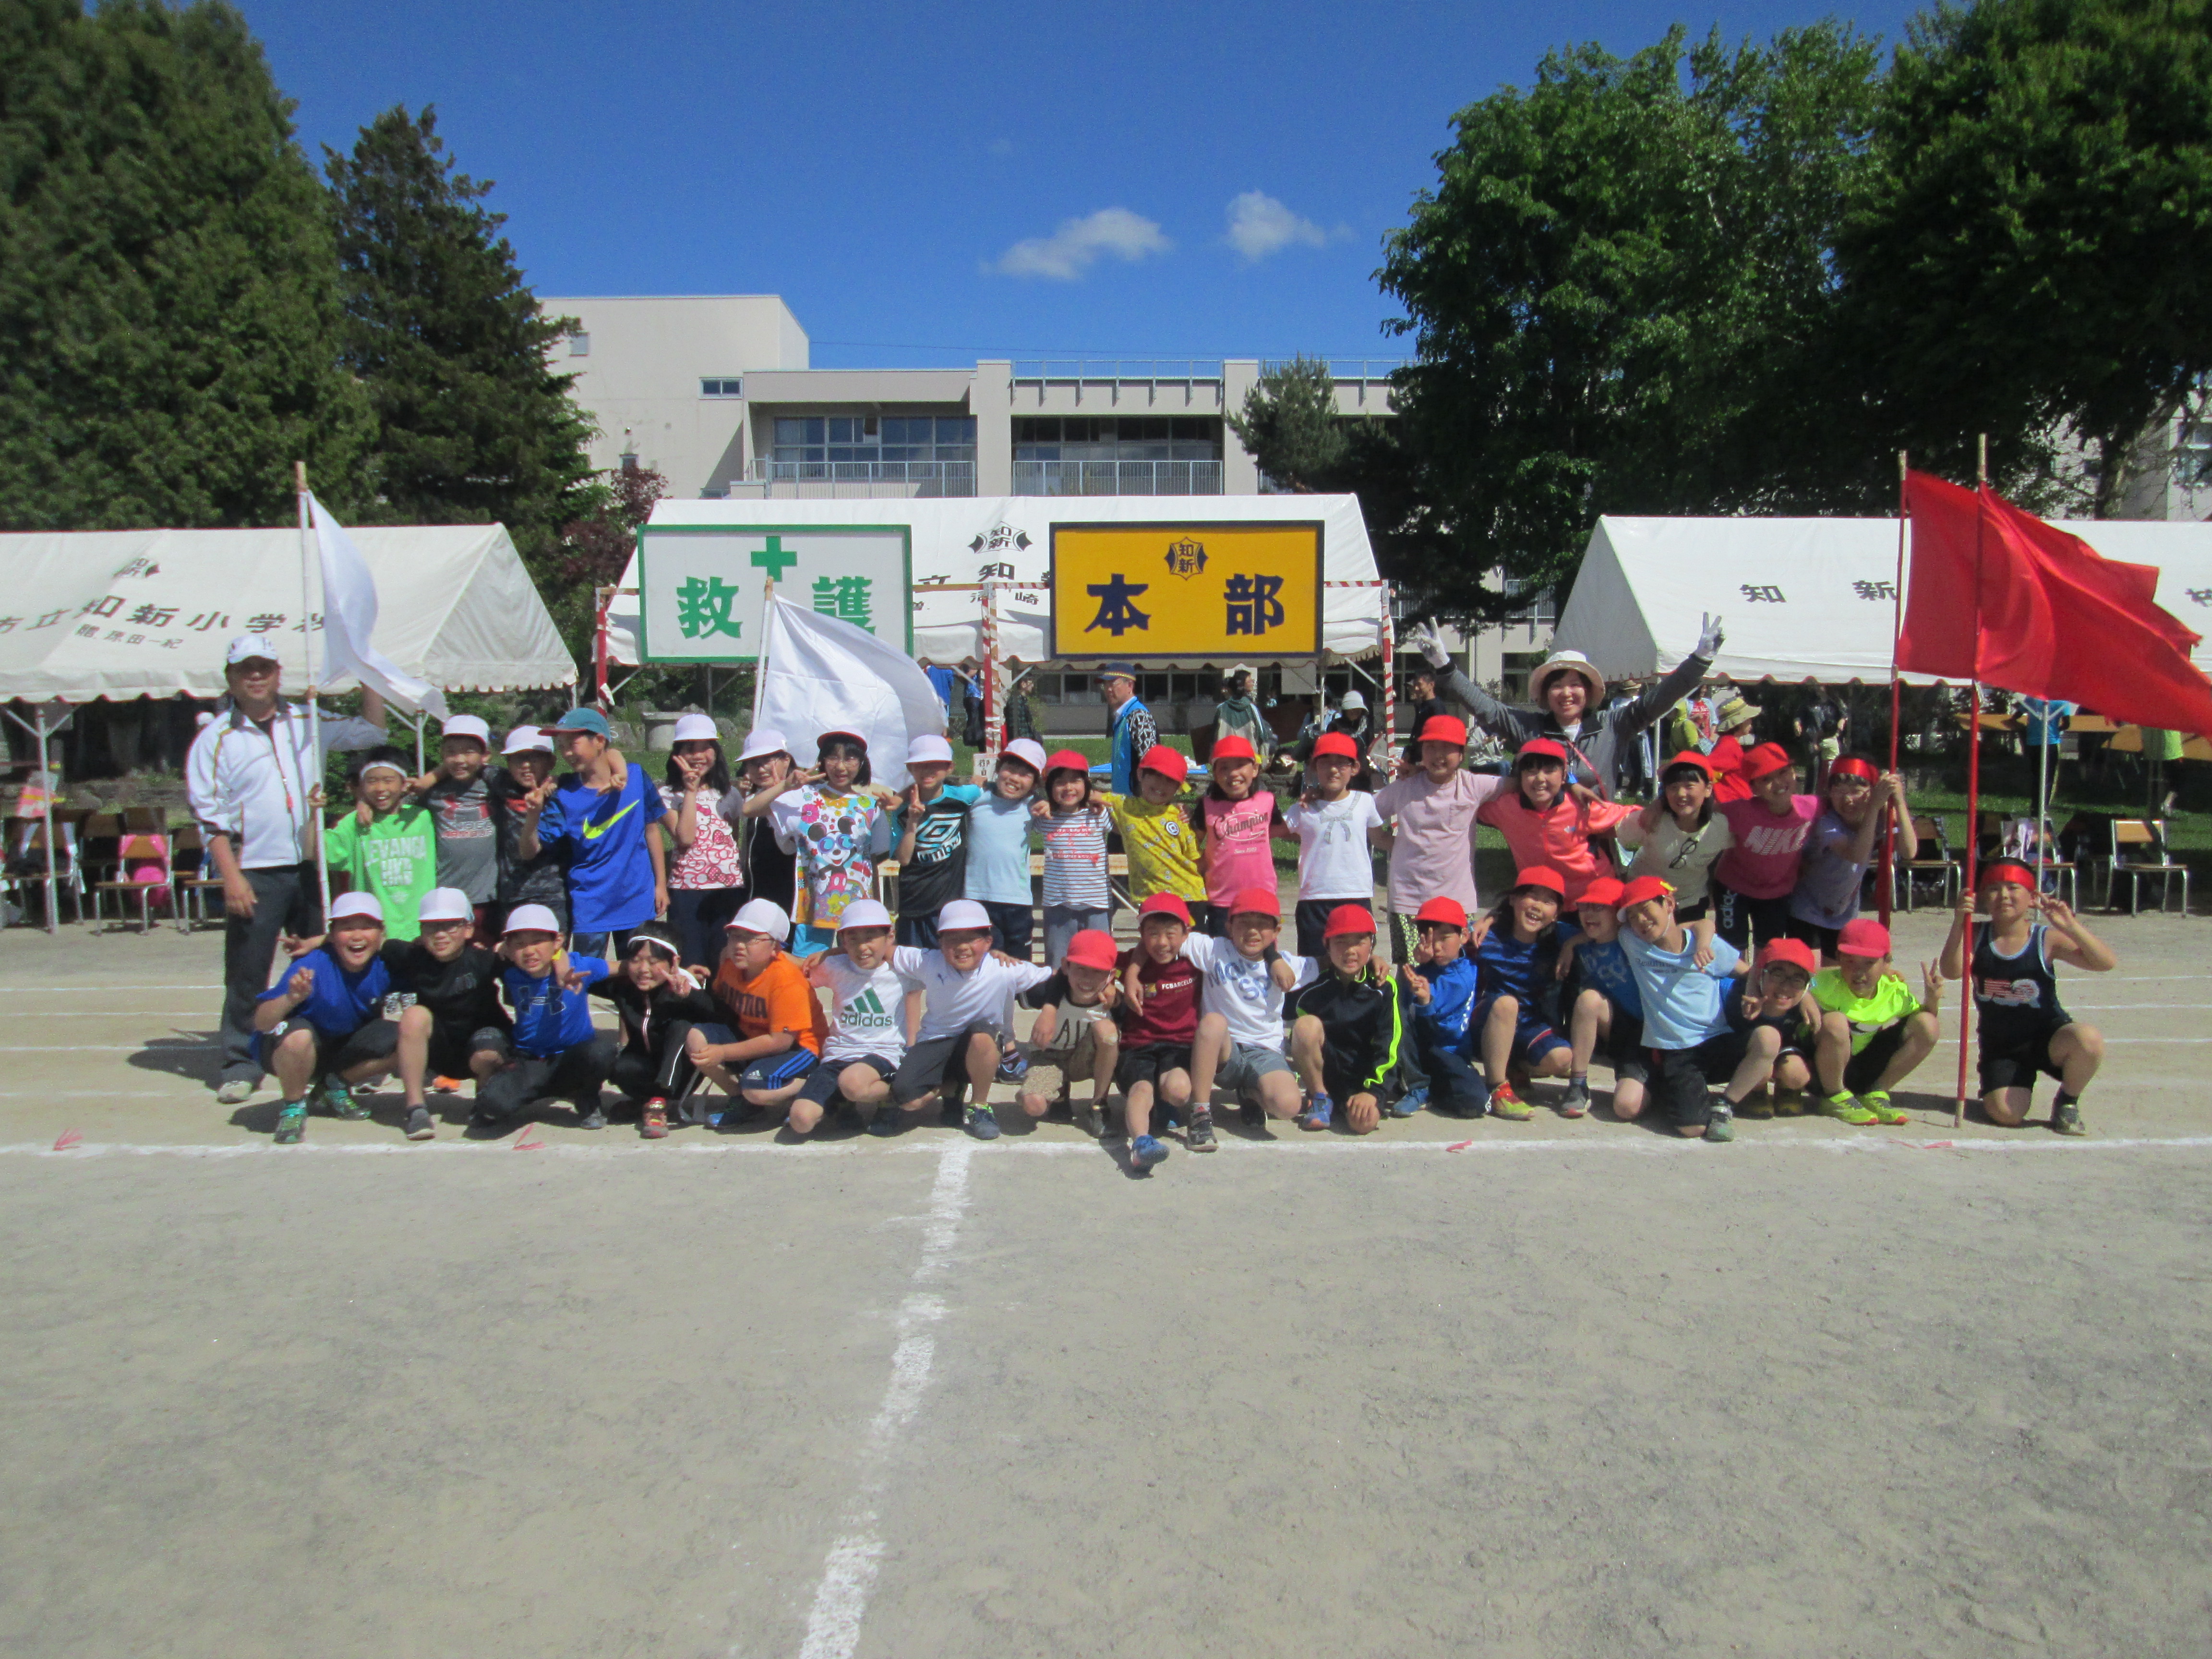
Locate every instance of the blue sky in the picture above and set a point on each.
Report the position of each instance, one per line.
(929, 185)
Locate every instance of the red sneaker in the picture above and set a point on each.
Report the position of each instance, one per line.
(652, 1122)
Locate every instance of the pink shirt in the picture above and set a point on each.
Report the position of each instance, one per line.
(1559, 837)
(1763, 863)
(1237, 854)
(1433, 855)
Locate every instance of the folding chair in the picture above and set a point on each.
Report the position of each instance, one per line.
(98, 854)
(149, 848)
(188, 876)
(1928, 832)
(32, 857)
(2021, 838)
(2148, 835)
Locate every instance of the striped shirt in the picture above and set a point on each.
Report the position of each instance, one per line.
(1075, 860)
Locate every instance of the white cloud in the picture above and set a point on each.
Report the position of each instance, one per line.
(1078, 244)
(1259, 225)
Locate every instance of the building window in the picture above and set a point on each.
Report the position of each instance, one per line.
(872, 441)
(1116, 438)
(579, 345)
(719, 389)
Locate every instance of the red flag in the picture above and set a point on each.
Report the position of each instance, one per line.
(2057, 618)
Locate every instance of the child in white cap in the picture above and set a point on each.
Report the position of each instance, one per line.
(930, 824)
(999, 828)
(964, 1040)
(523, 785)
(458, 795)
(387, 845)
(324, 1021)
(771, 1030)
(558, 1053)
(868, 1026)
(706, 876)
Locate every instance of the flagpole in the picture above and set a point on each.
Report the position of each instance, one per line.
(1887, 890)
(2042, 772)
(1973, 846)
(314, 708)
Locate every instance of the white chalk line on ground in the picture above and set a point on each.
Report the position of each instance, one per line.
(848, 1574)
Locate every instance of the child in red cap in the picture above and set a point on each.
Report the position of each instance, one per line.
(1873, 1030)
(2022, 1029)
(1755, 877)
(1159, 1020)
(1516, 1016)
(1861, 799)
(1075, 1034)
(1335, 825)
(1680, 836)
(1692, 1042)
(1159, 832)
(1348, 1029)
(1242, 982)
(1077, 896)
(1432, 813)
(1606, 1009)
(1548, 825)
(1776, 994)
(1442, 982)
(1237, 821)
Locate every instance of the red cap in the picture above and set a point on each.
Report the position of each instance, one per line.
(1233, 747)
(1539, 749)
(2006, 870)
(1173, 763)
(1791, 953)
(1348, 919)
(1165, 904)
(1604, 890)
(1442, 728)
(1862, 938)
(1538, 875)
(1642, 891)
(1067, 760)
(1256, 901)
(1690, 757)
(1764, 758)
(1854, 766)
(1335, 743)
(1448, 912)
(1092, 949)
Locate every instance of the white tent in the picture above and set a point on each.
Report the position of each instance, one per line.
(1803, 598)
(960, 542)
(127, 613)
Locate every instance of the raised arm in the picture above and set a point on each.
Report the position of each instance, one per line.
(1656, 700)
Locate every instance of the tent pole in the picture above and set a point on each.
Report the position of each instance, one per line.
(1972, 851)
(603, 598)
(422, 718)
(315, 707)
(1887, 890)
(47, 812)
(994, 710)
(1389, 638)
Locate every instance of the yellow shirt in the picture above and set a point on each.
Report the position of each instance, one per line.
(1162, 845)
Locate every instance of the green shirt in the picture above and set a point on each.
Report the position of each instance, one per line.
(1890, 1003)
(396, 858)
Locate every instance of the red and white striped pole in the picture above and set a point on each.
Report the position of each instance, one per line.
(994, 707)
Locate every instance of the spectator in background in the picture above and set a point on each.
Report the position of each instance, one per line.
(1133, 732)
(1421, 696)
(971, 701)
(1735, 720)
(1237, 713)
(2045, 722)
(1021, 713)
(945, 680)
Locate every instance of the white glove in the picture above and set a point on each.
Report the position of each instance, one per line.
(1423, 637)
(1709, 642)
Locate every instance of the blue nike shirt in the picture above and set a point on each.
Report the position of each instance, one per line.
(339, 1004)
(602, 835)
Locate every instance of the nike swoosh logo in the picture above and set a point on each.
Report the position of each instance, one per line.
(593, 831)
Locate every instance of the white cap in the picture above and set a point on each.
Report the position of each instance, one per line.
(864, 913)
(528, 740)
(962, 913)
(763, 741)
(926, 748)
(1352, 699)
(356, 904)
(761, 916)
(467, 726)
(248, 646)
(1028, 751)
(532, 919)
(446, 904)
(697, 728)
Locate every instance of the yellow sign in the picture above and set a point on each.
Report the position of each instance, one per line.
(1210, 590)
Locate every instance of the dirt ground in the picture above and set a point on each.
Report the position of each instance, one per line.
(1557, 1387)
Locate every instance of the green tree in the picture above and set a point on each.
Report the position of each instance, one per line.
(1290, 426)
(1620, 293)
(473, 426)
(169, 307)
(594, 551)
(2029, 255)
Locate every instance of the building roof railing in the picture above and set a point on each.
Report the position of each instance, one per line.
(1117, 368)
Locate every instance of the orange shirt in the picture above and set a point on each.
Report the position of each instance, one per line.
(776, 998)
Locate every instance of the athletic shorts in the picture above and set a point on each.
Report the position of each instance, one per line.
(2015, 1066)
(935, 1062)
(822, 1082)
(1013, 929)
(1312, 916)
(377, 1040)
(1245, 1065)
(915, 929)
(1822, 940)
(1148, 1062)
(1742, 920)
(1624, 1050)
(1533, 1037)
(1864, 1069)
(453, 1047)
(1680, 1077)
(1073, 1050)
(779, 1071)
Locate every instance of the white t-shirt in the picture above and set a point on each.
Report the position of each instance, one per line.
(1241, 991)
(870, 1017)
(952, 1001)
(1335, 859)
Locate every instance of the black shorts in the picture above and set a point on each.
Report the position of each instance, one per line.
(377, 1040)
(1681, 1076)
(822, 1082)
(1742, 920)
(453, 1047)
(1624, 1049)
(1822, 940)
(1213, 919)
(1313, 922)
(1013, 929)
(1864, 1069)
(2013, 1063)
(1147, 1062)
(1343, 1080)
(934, 1063)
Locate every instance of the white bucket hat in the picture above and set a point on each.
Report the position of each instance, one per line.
(1567, 662)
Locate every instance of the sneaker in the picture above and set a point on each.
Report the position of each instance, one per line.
(652, 1120)
(1320, 1112)
(419, 1126)
(235, 1092)
(1251, 1114)
(1575, 1102)
(1504, 1103)
(887, 1122)
(1721, 1126)
(445, 1086)
(1410, 1103)
(2066, 1118)
(1084, 1114)
(1146, 1150)
(1878, 1103)
(1846, 1106)
(1014, 1065)
(1199, 1136)
(1760, 1105)
(340, 1101)
(591, 1117)
(1788, 1103)
(291, 1121)
(981, 1123)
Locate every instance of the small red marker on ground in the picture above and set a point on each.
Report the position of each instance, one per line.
(529, 1145)
(1459, 1146)
(68, 1139)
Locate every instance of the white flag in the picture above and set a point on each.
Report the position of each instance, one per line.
(349, 623)
(818, 675)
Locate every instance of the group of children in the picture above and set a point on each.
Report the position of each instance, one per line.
(1731, 955)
